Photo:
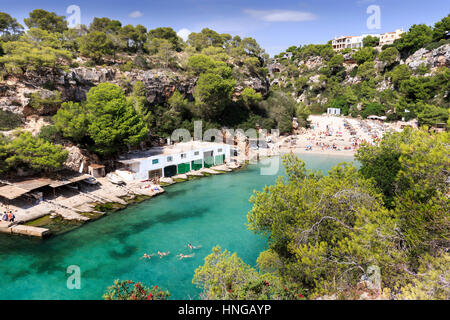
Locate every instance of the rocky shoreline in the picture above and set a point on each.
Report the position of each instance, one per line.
(136, 192)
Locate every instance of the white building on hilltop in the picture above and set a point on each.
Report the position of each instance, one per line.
(390, 37)
(169, 161)
(356, 42)
(344, 42)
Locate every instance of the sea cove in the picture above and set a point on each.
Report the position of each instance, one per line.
(205, 212)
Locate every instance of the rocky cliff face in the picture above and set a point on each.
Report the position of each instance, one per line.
(74, 84)
(79, 160)
(278, 72)
(436, 58)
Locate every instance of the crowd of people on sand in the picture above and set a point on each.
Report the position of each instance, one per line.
(340, 134)
(8, 216)
(316, 136)
(180, 256)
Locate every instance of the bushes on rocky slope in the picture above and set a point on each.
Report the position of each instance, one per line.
(228, 74)
(356, 80)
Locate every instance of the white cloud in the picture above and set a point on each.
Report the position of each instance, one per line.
(135, 14)
(184, 33)
(281, 15)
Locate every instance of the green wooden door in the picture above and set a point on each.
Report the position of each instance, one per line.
(220, 159)
(209, 162)
(184, 167)
(197, 164)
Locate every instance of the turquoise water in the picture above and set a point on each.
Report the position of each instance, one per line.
(206, 212)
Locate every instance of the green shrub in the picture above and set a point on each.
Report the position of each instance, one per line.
(26, 151)
(50, 133)
(393, 117)
(74, 64)
(389, 56)
(141, 63)
(316, 108)
(126, 67)
(373, 109)
(364, 55)
(437, 44)
(422, 69)
(371, 41)
(354, 112)
(89, 64)
(417, 37)
(354, 72)
(37, 101)
(431, 115)
(9, 120)
(367, 70)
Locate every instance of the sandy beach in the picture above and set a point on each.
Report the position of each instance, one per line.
(335, 136)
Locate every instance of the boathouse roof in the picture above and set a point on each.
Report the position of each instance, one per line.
(17, 188)
(12, 192)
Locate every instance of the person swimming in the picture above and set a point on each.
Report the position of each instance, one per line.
(191, 247)
(146, 256)
(183, 256)
(163, 254)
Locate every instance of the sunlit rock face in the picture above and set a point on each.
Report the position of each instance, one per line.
(73, 85)
(439, 57)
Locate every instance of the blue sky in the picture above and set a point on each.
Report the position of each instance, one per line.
(275, 24)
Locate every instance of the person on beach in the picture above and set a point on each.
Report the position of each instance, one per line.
(5, 216)
(183, 256)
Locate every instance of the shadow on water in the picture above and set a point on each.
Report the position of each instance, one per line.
(125, 252)
(52, 264)
(164, 217)
(175, 193)
(16, 275)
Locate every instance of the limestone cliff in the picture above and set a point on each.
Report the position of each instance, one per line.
(285, 72)
(73, 85)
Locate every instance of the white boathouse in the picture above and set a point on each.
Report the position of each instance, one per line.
(168, 161)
